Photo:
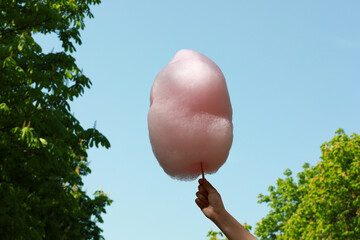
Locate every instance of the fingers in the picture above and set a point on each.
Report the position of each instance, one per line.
(201, 200)
(202, 189)
(200, 204)
(208, 187)
(202, 197)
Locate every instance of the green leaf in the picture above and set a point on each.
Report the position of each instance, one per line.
(4, 108)
(43, 141)
(324, 203)
(43, 147)
(22, 41)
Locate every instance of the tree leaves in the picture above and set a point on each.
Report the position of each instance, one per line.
(212, 235)
(324, 203)
(43, 147)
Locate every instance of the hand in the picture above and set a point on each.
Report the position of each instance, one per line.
(209, 200)
(210, 203)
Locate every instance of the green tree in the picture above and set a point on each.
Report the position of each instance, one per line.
(212, 235)
(324, 203)
(43, 147)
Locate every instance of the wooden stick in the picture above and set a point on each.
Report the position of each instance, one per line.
(202, 170)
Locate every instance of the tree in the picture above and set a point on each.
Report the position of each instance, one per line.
(43, 147)
(325, 201)
(212, 235)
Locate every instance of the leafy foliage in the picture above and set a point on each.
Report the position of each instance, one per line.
(212, 235)
(325, 201)
(43, 147)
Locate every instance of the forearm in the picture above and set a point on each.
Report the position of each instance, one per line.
(232, 229)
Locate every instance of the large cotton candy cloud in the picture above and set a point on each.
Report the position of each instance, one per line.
(190, 116)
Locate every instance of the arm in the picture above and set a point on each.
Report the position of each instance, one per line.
(210, 203)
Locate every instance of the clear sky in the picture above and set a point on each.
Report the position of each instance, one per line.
(293, 74)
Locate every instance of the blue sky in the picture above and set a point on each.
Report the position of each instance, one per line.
(292, 69)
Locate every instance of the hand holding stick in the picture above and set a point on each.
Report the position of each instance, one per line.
(210, 202)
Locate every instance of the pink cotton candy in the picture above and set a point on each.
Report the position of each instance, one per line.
(190, 116)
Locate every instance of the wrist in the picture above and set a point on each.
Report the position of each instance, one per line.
(219, 216)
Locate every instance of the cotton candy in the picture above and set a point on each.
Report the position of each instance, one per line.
(190, 116)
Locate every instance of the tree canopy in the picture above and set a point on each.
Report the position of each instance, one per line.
(212, 235)
(324, 202)
(43, 147)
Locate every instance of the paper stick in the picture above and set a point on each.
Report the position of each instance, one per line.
(202, 170)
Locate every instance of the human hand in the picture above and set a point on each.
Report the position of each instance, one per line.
(210, 203)
(209, 200)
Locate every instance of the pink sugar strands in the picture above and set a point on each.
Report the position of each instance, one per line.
(190, 116)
